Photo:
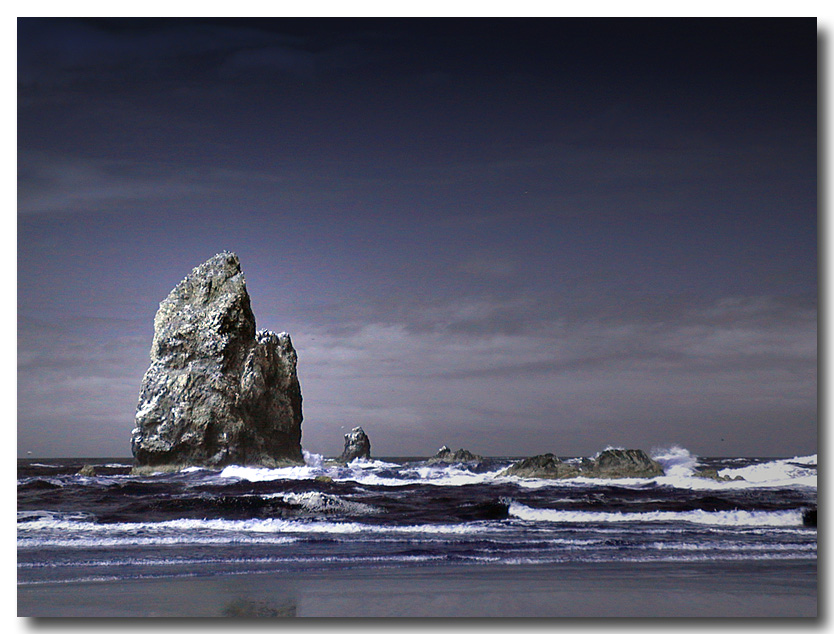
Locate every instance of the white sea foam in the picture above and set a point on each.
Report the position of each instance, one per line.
(676, 461)
(784, 472)
(85, 541)
(607, 448)
(36, 517)
(449, 475)
(693, 557)
(365, 463)
(715, 518)
(679, 466)
(726, 546)
(60, 533)
(324, 503)
(261, 474)
(369, 472)
(314, 460)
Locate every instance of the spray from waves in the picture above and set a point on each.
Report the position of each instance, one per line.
(786, 471)
(676, 461)
(714, 518)
(314, 460)
(607, 448)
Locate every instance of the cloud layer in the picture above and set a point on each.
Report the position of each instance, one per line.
(508, 235)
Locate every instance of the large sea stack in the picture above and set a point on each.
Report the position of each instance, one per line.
(217, 392)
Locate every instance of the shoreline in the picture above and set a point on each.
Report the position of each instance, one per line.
(768, 588)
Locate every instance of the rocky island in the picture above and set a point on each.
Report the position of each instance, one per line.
(357, 445)
(218, 391)
(611, 463)
(445, 455)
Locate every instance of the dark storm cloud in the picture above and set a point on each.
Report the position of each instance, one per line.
(65, 52)
(507, 235)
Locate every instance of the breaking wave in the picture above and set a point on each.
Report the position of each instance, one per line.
(676, 461)
(714, 518)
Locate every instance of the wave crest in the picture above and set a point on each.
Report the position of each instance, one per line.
(676, 461)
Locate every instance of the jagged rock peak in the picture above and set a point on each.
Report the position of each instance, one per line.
(207, 313)
(357, 445)
(217, 391)
(447, 456)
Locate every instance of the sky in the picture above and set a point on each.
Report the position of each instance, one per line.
(513, 236)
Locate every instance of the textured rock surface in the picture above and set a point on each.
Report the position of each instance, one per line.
(357, 445)
(542, 466)
(217, 392)
(87, 470)
(624, 463)
(611, 463)
(447, 456)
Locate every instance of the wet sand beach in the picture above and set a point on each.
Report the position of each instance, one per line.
(622, 589)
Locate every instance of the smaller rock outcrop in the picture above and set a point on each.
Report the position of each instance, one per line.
(87, 470)
(611, 463)
(543, 466)
(357, 445)
(446, 456)
(712, 474)
(623, 463)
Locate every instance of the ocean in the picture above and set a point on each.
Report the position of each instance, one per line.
(394, 515)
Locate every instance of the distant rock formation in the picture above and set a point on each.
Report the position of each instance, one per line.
(543, 466)
(447, 456)
(357, 445)
(611, 463)
(87, 470)
(712, 474)
(623, 463)
(217, 392)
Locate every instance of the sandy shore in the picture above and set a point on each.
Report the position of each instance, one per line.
(745, 589)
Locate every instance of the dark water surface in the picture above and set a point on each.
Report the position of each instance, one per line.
(391, 514)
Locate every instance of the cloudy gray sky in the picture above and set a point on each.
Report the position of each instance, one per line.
(511, 236)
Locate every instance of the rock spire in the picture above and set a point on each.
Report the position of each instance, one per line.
(357, 445)
(217, 391)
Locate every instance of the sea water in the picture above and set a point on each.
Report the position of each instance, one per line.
(401, 512)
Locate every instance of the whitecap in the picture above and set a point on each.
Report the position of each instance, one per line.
(317, 502)
(783, 472)
(676, 461)
(714, 518)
